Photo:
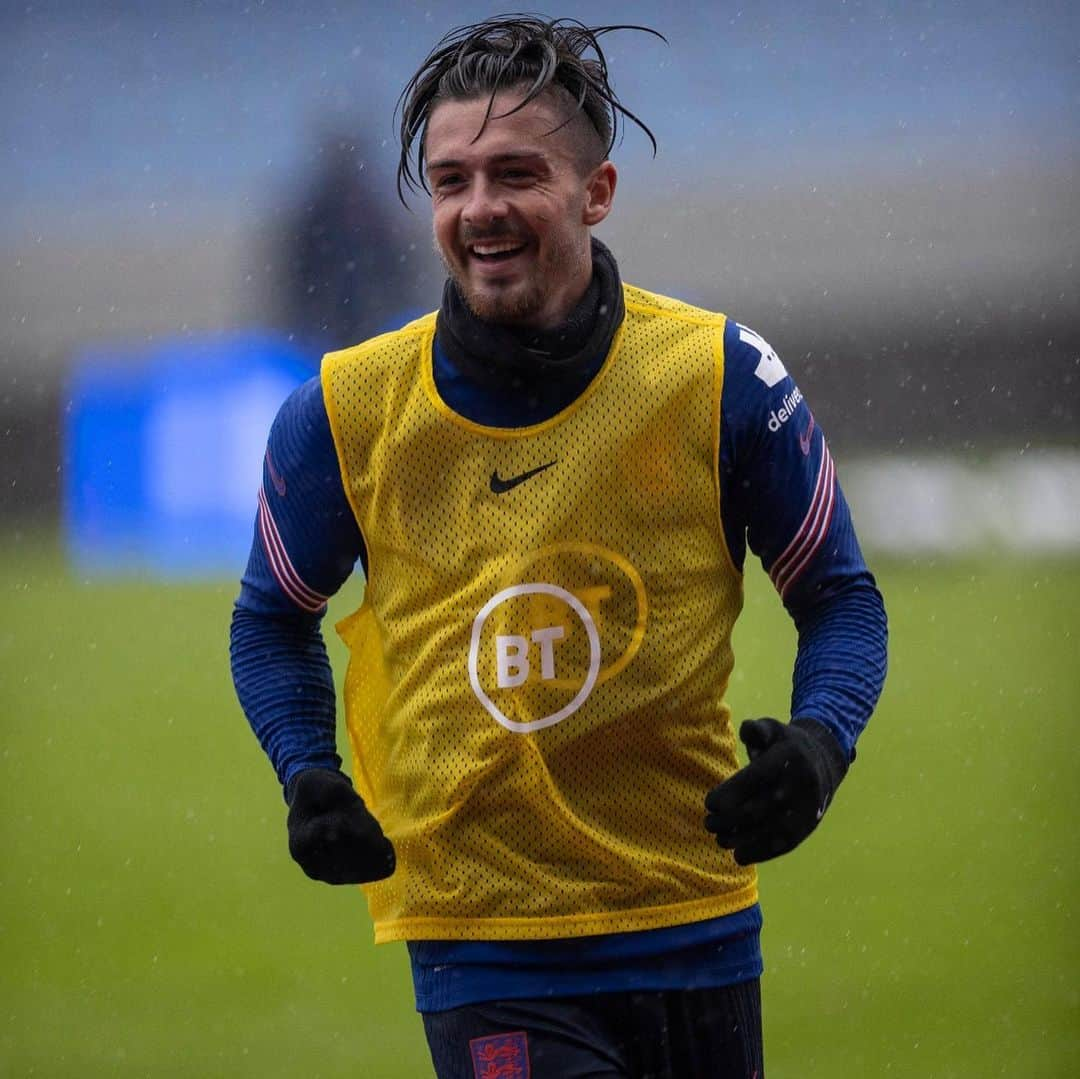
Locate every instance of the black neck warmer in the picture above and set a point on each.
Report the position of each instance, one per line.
(503, 355)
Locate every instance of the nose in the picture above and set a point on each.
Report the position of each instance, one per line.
(485, 204)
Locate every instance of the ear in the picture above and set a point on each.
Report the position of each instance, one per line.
(599, 193)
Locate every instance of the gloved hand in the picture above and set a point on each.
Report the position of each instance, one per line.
(770, 806)
(332, 836)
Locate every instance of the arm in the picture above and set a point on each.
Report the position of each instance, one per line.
(781, 497)
(306, 542)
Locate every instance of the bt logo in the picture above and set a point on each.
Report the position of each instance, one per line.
(513, 652)
(537, 650)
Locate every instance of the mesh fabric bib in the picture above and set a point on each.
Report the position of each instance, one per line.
(535, 691)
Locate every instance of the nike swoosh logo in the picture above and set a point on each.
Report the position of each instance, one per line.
(500, 486)
(277, 480)
(804, 439)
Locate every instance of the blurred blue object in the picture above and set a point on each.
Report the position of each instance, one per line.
(163, 451)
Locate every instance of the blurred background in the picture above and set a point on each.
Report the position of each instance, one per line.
(197, 200)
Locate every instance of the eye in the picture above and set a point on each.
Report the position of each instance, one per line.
(448, 180)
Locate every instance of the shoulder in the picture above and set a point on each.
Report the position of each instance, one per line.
(384, 345)
(358, 383)
(750, 359)
(303, 406)
(641, 301)
(756, 380)
(300, 428)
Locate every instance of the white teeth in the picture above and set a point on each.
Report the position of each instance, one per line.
(495, 248)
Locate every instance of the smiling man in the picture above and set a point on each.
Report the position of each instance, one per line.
(512, 206)
(550, 484)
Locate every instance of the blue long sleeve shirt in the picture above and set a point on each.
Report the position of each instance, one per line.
(779, 497)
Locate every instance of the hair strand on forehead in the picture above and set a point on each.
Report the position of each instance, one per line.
(507, 51)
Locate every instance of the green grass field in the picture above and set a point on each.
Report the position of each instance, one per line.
(152, 924)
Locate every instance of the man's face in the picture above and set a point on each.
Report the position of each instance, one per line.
(511, 210)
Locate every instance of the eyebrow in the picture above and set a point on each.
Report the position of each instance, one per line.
(509, 155)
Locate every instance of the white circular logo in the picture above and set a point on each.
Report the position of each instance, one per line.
(513, 662)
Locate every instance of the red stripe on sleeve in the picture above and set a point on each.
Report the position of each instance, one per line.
(816, 537)
(811, 533)
(284, 572)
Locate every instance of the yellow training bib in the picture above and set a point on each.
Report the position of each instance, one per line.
(535, 691)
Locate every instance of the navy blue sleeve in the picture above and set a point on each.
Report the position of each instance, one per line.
(780, 497)
(306, 543)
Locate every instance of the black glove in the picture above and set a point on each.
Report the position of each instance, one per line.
(770, 806)
(332, 836)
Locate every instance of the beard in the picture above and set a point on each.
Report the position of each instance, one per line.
(522, 303)
(512, 306)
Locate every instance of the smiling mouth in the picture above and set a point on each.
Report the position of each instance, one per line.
(496, 250)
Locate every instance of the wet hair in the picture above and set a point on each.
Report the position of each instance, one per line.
(506, 51)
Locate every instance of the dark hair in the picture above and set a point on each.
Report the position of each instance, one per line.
(505, 51)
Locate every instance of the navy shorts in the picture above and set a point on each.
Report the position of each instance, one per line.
(673, 1034)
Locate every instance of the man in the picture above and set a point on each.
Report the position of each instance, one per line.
(550, 485)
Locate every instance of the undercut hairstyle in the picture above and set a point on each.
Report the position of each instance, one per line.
(509, 51)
